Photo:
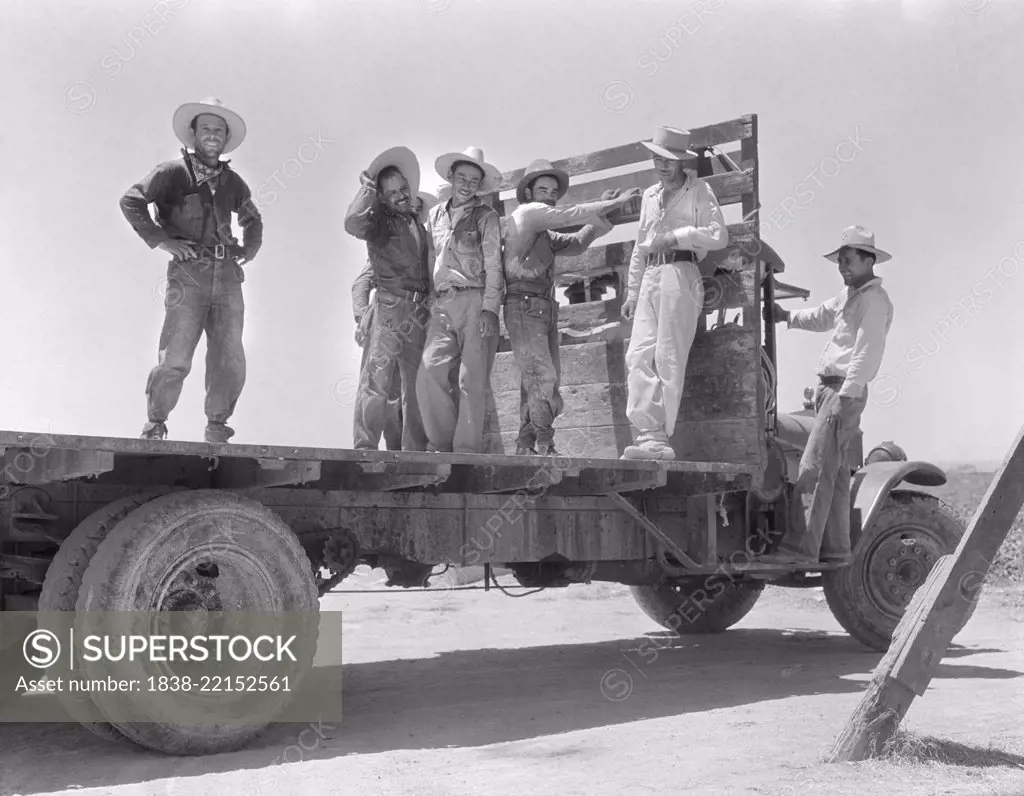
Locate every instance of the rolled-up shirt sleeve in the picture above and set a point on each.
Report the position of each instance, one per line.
(868, 349)
(820, 319)
(710, 232)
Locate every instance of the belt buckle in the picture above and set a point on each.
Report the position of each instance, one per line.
(219, 251)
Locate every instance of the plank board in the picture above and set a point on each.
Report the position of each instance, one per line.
(600, 260)
(729, 188)
(578, 322)
(635, 152)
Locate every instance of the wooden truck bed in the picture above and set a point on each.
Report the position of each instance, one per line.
(39, 458)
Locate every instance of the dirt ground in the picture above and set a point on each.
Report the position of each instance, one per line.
(475, 693)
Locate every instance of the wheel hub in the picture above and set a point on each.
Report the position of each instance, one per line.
(899, 565)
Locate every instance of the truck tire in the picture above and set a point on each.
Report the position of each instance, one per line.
(159, 559)
(891, 561)
(693, 606)
(63, 581)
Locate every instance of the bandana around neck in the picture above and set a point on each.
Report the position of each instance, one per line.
(203, 172)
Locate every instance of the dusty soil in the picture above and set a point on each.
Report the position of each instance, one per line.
(476, 693)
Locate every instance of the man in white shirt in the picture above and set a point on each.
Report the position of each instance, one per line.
(859, 319)
(680, 222)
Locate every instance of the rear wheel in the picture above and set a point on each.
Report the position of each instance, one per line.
(891, 561)
(60, 593)
(201, 551)
(691, 606)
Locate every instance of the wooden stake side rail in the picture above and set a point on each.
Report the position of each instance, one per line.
(42, 458)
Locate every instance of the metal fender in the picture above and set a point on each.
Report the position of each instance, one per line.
(872, 483)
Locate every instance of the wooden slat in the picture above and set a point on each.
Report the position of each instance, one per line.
(274, 472)
(506, 478)
(382, 476)
(42, 465)
(601, 482)
(710, 135)
(706, 396)
(723, 291)
(729, 188)
(723, 361)
(600, 260)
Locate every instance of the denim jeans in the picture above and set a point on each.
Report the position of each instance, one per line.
(201, 296)
(455, 376)
(393, 421)
(532, 325)
(394, 350)
(820, 516)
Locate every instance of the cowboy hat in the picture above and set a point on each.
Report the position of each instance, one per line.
(670, 142)
(404, 160)
(541, 168)
(475, 155)
(183, 117)
(858, 237)
(429, 200)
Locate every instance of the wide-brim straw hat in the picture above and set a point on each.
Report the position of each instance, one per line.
(183, 116)
(401, 158)
(541, 168)
(671, 143)
(857, 237)
(475, 155)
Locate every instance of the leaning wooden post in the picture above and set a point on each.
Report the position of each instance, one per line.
(933, 617)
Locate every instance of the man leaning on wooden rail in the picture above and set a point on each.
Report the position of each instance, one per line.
(383, 214)
(531, 309)
(680, 222)
(859, 319)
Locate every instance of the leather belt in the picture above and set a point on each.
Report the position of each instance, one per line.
(520, 295)
(676, 256)
(448, 292)
(831, 381)
(411, 295)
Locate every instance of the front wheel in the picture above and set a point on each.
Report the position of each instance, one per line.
(891, 561)
(693, 606)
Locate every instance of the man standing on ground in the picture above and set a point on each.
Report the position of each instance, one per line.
(384, 215)
(465, 238)
(531, 309)
(680, 222)
(195, 197)
(859, 319)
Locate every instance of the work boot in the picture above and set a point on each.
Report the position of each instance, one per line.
(650, 445)
(218, 432)
(547, 449)
(154, 429)
(524, 450)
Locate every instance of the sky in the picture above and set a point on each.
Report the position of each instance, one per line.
(905, 117)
